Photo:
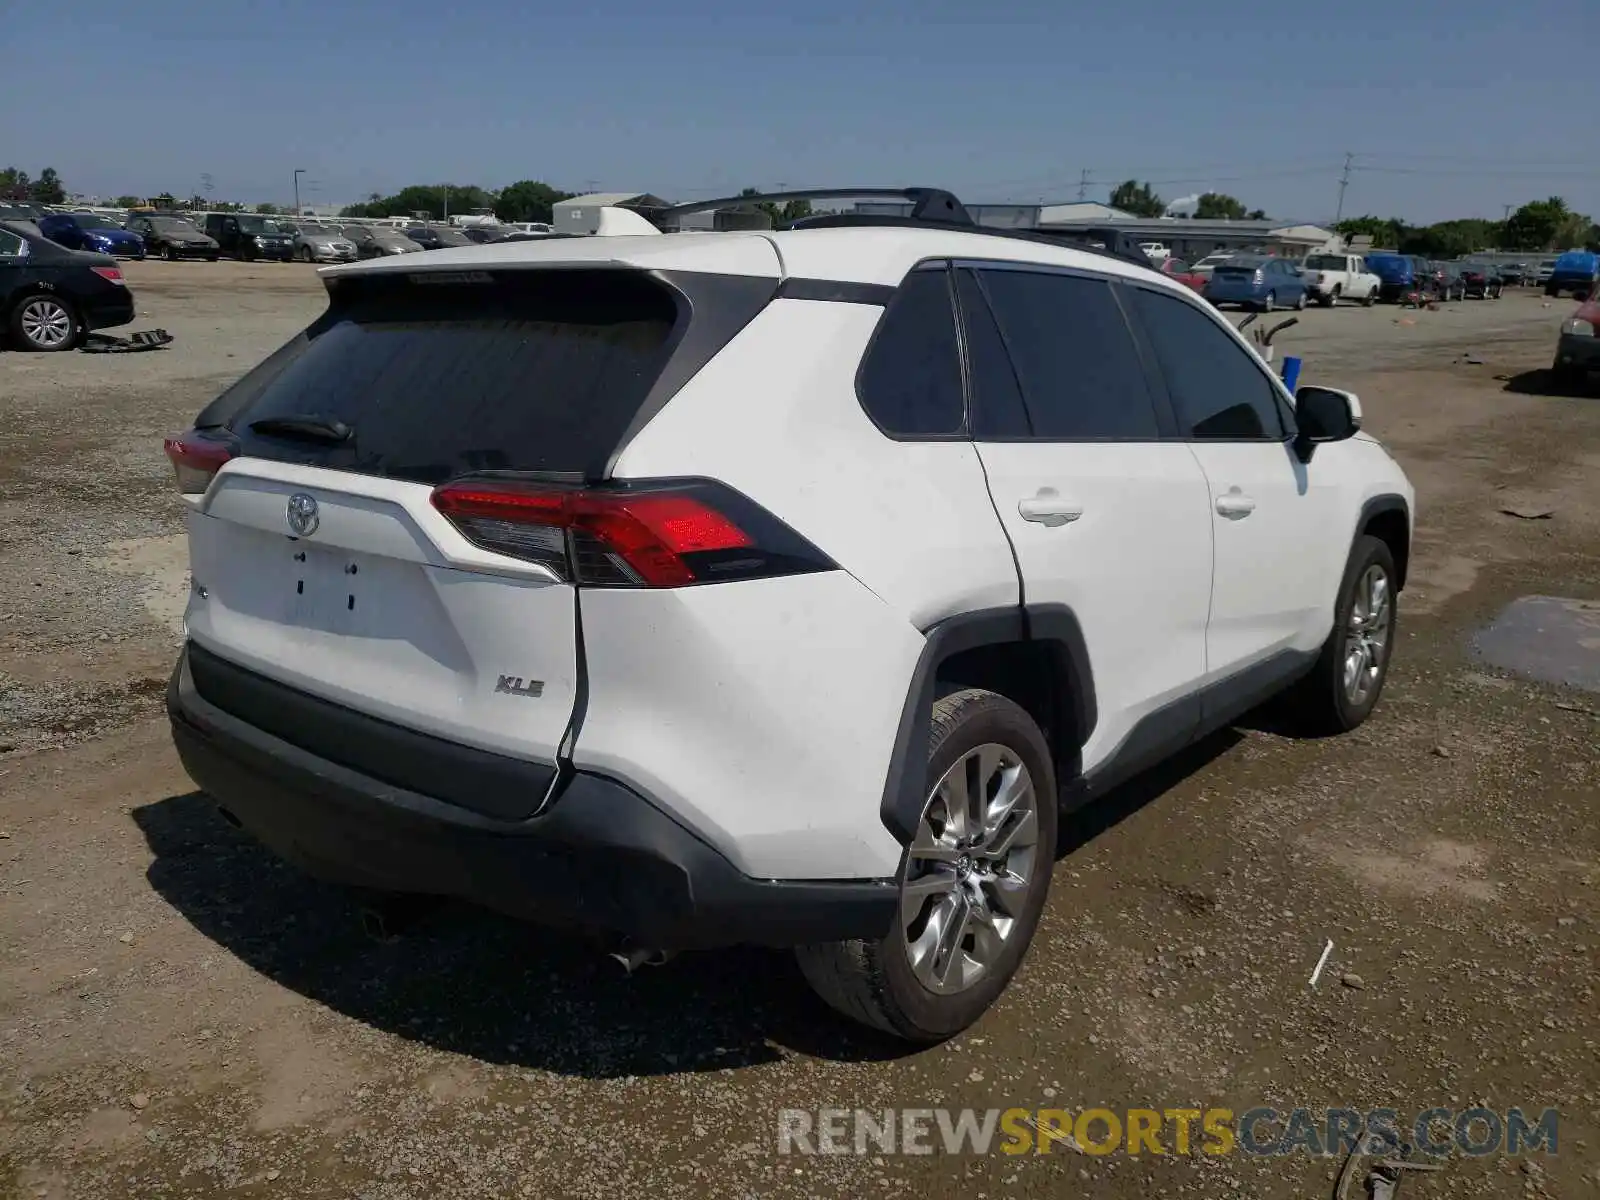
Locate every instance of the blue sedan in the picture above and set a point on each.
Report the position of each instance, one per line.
(89, 231)
(1257, 281)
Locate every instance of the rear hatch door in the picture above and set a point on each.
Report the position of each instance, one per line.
(318, 558)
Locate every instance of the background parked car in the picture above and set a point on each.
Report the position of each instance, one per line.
(315, 242)
(1481, 280)
(1576, 271)
(1257, 281)
(1399, 274)
(50, 297)
(1543, 272)
(1513, 274)
(1448, 283)
(435, 237)
(90, 231)
(1176, 268)
(249, 237)
(173, 237)
(377, 241)
(1331, 278)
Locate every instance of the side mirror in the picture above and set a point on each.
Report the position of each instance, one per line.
(1323, 415)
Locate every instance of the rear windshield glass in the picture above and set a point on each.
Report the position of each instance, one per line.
(512, 371)
(1325, 262)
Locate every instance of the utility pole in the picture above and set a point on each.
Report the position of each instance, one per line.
(298, 171)
(1505, 215)
(1083, 183)
(444, 190)
(1344, 182)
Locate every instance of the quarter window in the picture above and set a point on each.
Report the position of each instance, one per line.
(910, 383)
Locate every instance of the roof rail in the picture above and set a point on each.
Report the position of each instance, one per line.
(927, 204)
(930, 207)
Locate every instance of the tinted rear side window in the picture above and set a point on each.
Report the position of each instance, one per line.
(910, 382)
(1220, 389)
(997, 407)
(1075, 357)
(518, 371)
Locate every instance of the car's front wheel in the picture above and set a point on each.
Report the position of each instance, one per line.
(1342, 689)
(1270, 303)
(44, 324)
(972, 883)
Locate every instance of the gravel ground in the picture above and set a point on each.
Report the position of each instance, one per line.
(181, 1016)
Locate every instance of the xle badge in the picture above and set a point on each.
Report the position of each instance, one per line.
(512, 685)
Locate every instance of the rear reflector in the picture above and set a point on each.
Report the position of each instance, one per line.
(195, 459)
(659, 534)
(113, 274)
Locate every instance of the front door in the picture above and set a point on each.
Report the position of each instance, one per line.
(1271, 593)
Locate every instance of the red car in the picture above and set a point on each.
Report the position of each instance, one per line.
(1179, 270)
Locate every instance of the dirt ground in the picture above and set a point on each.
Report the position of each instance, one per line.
(182, 1016)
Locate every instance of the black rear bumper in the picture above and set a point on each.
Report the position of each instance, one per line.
(600, 857)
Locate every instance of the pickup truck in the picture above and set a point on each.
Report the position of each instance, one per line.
(1331, 278)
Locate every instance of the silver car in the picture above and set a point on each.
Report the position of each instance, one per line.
(379, 241)
(314, 242)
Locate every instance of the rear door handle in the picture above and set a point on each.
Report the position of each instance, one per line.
(1235, 505)
(1048, 509)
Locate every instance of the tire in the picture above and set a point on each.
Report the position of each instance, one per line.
(44, 324)
(1300, 302)
(875, 982)
(213, 257)
(1370, 299)
(1323, 702)
(304, 254)
(170, 253)
(1331, 300)
(1270, 303)
(1550, 291)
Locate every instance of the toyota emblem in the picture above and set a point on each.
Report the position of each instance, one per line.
(302, 515)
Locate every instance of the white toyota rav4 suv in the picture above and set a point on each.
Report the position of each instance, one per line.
(778, 587)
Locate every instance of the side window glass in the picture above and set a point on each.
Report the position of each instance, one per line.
(1075, 358)
(910, 383)
(11, 246)
(997, 408)
(1220, 389)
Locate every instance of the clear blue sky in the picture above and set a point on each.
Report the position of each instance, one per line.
(1452, 108)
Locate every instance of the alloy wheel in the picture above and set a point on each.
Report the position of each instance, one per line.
(970, 868)
(1366, 639)
(46, 323)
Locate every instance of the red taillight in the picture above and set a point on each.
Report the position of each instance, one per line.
(111, 274)
(662, 535)
(195, 459)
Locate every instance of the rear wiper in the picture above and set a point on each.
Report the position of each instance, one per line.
(307, 428)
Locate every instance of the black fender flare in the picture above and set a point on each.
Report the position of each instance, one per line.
(1377, 505)
(1056, 631)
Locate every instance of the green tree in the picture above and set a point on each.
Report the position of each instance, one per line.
(528, 200)
(47, 188)
(1137, 198)
(1386, 233)
(1216, 206)
(1538, 225)
(1256, 214)
(430, 198)
(1453, 239)
(268, 210)
(14, 184)
(129, 201)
